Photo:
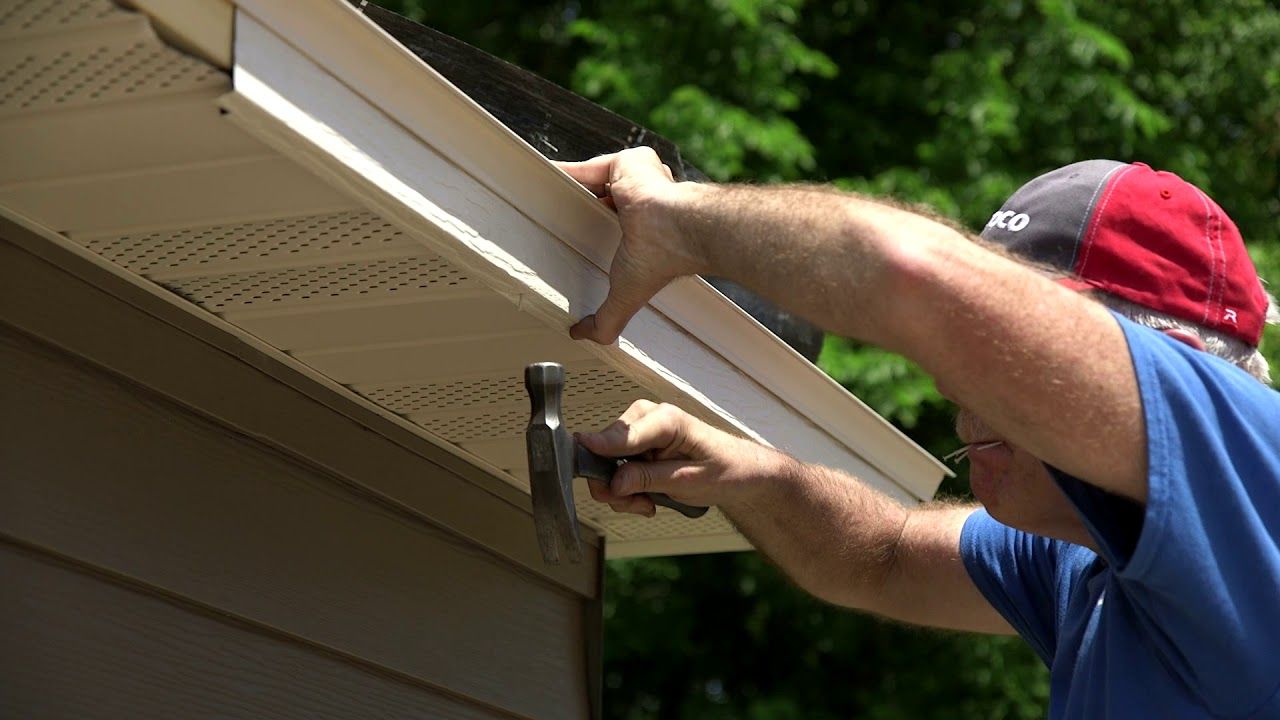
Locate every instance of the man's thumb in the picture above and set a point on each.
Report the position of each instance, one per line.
(629, 290)
(614, 314)
(607, 323)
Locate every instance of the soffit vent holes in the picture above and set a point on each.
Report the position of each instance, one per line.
(244, 245)
(581, 387)
(512, 421)
(41, 80)
(405, 277)
(33, 16)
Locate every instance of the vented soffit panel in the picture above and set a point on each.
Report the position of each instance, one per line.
(383, 246)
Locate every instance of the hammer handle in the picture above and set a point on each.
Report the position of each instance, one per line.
(590, 465)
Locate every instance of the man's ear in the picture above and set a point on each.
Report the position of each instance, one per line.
(1184, 337)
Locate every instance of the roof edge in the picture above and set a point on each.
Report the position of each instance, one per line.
(362, 55)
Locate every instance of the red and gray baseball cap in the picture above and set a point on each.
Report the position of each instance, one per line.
(1143, 235)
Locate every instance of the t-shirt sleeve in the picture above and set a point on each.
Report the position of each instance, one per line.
(1201, 562)
(1026, 578)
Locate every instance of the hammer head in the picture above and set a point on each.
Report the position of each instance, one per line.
(551, 457)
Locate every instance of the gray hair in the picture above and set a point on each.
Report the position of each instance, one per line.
(1231, 349)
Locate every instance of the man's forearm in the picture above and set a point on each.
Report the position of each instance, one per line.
(834, 535)
(828, 256)
(850, 545)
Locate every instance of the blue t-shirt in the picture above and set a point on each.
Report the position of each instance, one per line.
(1178, 614)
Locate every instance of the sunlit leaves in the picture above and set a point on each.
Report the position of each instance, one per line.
(893, 386)
(726, 138)
(718, 78)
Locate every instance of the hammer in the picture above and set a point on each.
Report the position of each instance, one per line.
(555, 459)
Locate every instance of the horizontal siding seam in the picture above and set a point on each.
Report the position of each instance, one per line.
(240, 622)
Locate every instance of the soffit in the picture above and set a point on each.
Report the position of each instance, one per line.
(118, 142)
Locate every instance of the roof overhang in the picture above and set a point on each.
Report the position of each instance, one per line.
(326, 114)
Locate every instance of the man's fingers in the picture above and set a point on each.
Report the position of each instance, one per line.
(676, 478)
(638, 271)
(638, 409)
(649, 427)
(584, 329)
(600, 491)
(631, 415)
(640, 164)
(593, 173)
(608, 322)
(615, 312)
(631, 285)
(676, 466)
(637, 504)
(633, 164)
(612, 440)
(634, 479)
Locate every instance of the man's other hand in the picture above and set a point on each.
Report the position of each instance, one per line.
(687, 459)
(652, 253)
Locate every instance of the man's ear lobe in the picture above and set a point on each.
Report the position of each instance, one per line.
(1184, 337)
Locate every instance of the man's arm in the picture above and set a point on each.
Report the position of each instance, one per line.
(1046, 369)
(836, 537)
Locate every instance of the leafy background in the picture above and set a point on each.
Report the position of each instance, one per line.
(952, 105)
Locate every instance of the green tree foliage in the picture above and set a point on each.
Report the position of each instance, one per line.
(726, 102)
(950, 105)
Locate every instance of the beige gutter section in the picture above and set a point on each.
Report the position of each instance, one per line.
(357, 52)
(338, 135)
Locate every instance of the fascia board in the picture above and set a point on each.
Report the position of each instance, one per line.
(356, 51)
(325, 126)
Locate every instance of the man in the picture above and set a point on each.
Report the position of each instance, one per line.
(1130, 480)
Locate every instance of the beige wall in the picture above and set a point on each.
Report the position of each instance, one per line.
(162, 561)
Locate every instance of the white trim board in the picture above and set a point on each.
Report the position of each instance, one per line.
(395, 83)
(339, 135)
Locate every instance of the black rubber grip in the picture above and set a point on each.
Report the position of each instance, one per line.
(590, 465)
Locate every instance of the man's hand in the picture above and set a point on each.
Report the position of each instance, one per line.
(652, 253)
(689, 460)
(838, 538)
